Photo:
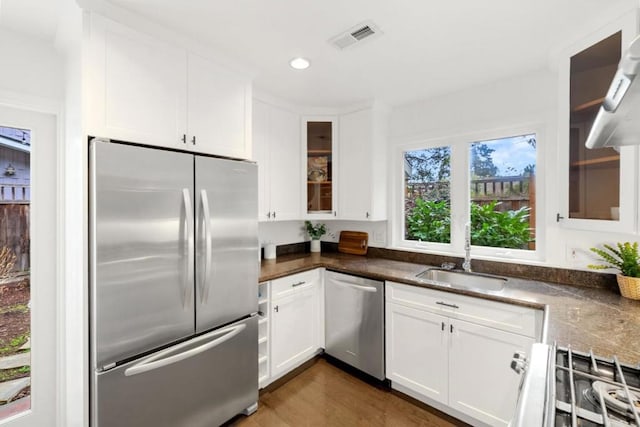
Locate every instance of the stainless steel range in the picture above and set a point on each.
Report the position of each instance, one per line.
(563, 387)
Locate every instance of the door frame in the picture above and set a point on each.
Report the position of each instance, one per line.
(45, 325)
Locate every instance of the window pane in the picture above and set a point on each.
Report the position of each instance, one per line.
(594, 175)
(427, 204)
(15, 313)
(502, 192)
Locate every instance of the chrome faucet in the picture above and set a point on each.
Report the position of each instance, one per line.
(466, 265)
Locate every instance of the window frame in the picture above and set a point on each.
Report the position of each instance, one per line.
(461, 195)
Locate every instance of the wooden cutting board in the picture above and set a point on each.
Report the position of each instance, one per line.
(353, 242)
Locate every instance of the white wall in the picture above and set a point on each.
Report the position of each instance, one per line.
(285, 232)
(29, 67)
(522, 100)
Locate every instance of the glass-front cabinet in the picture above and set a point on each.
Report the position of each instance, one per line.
(600, 182)
(319, 138)
(594, 174)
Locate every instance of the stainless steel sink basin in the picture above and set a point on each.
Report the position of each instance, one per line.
(462, 279)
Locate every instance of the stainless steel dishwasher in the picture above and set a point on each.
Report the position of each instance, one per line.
(354, 322)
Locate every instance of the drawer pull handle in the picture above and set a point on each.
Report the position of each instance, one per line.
(443, 326)
(447, 305)
(298, 284)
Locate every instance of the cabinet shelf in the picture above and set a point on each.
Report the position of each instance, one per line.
(262, 358)
(262, 340)
(599, 160)
(314, 152)
(263, 300)
(319, 182)
(588, 105)
(263, 320)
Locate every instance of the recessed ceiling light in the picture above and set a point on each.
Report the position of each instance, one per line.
(299, 63)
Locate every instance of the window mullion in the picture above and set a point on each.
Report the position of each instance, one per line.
(459, 195)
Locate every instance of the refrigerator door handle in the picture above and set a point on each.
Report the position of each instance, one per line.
(204, 290)
(159, 360)
(357, 287)
(188, 209)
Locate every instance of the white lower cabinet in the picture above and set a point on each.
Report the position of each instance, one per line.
(465, 367)
(296, 322)
(481, 381)
(413, 336)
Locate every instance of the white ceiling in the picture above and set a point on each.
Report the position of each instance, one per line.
(427, 48)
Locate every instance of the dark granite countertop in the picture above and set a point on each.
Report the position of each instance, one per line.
(581, 316)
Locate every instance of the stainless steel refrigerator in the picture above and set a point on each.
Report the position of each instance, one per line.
(173, 273)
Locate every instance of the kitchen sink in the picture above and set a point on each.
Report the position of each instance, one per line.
(463, 279)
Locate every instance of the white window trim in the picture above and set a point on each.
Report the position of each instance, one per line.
(629, 190)
(460, 196)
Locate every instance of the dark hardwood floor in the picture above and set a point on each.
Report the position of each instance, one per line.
(324, 395)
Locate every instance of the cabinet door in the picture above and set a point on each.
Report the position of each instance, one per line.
(260, 149)
(294, 329)
(219, 108)
(136, 85)
(598, 187)
(355, 165)
(284, 165)
(417, 351)
(320, 171)
(481, 381)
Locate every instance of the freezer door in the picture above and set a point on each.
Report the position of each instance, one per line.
(227, 241)
(354, 321)
(142, 250)
(200, 383)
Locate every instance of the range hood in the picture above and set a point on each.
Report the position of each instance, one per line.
(618, 120)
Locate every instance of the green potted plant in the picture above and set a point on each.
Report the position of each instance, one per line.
(626, 259)
(315, 232)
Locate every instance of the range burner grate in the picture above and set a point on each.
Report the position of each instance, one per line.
(593, 392)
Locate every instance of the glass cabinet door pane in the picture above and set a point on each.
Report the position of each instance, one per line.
(594, 175)
(319, 167)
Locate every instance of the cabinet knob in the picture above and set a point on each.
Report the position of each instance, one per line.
(276, 309)
(367, 215)
(184, 138)
(268, 214)
(274, 214)
(335, 213)
(193, 140)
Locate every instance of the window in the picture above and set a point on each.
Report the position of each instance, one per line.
(15, 311)
(427, 204)
(502, 192)
(489, 183)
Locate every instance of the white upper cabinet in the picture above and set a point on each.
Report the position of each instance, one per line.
(599, 186)
(219, 105)
(136, 86)
(276, 148)
(363, 165)
(144, 90)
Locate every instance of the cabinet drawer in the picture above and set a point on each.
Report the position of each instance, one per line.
(294, 283)
(507, 317)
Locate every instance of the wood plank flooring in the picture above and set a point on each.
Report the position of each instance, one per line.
(324, 395)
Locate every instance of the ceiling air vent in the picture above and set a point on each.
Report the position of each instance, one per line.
(366, 30)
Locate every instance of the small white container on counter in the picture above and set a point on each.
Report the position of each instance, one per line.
(269, 251)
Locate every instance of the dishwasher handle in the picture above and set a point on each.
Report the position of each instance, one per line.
(355, 286)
